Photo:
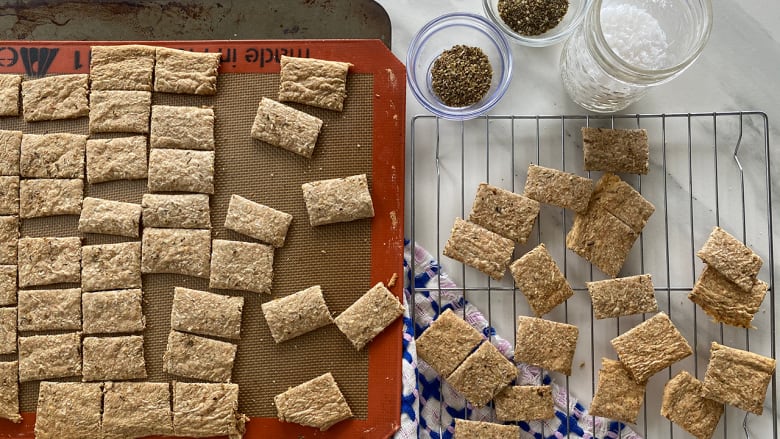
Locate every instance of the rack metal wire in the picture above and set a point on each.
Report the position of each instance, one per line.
(706, 169)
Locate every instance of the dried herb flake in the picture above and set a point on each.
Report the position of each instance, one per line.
(461, 76)
(532, 17)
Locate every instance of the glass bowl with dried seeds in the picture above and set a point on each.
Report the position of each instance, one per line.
(536, 23)
(459, 66)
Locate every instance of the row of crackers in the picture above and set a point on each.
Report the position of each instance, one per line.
(608, 221)
(122, 78)
(137, 409)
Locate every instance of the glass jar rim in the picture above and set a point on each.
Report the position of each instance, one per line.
(631, 73)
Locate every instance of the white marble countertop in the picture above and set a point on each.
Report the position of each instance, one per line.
(738, 70)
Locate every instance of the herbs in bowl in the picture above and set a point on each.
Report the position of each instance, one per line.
(461, 76)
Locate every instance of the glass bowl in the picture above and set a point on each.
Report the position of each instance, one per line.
(572, 19)
(443, 33)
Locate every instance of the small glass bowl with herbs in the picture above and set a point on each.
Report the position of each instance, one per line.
(536, 23)
(459, 66)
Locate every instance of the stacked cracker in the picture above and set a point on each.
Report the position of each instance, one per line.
(604, 233)
(644, 350)
(498, 219)
(456, 351)
(733, 376)
(728, 289)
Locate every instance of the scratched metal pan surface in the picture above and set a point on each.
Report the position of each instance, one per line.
(191, 20)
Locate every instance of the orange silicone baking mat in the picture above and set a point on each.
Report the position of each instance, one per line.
(346, 259)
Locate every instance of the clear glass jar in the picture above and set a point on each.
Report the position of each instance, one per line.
(626, 46)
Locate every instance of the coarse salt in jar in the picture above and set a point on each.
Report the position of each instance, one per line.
(626, 46)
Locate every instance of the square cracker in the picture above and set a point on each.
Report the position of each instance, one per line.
(69, 411)
(314, 82)
(509, 214)
(200, 312)
(602, 239)
(447, 342)
(189, 211)
(50, 197)
(10, 151)
(136, 410)
(9, 195)
(739, 378)
(731, 258)
(8, 330)
(296, 314)
(43, 357)
(480, 248)
(244, 266)
(338, 200)
(181, 170)
(725, 301)
(316, 403)
(125, 67)
(650, 347)
(9, 391)
(482, 375)
(559, 188)
(622, 296)
(255, 220)
(182, 128)
(120, 158)
(484, 430)
(46, 261)
(239, 265)
(369, 315)
(111, 266)
(684, 405)
(9, 94)
(55, 97)
(50, 310)
(109, 217)
(285, 127)
(524, 403)
(8, 275)
(616, 150)
(621, 200)
(618, 396)
(119, 111)
(57, 155)
(546, 343)
(114, 358)
(180, 71)
(9, 236)
(540, 280)
(176, 251)
(198, 357)
(206, 410)
(113, 311)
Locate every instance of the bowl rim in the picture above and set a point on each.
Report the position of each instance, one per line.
(505, 52)
(536, 41)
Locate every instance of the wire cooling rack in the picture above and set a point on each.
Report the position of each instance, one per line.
(706, 169)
